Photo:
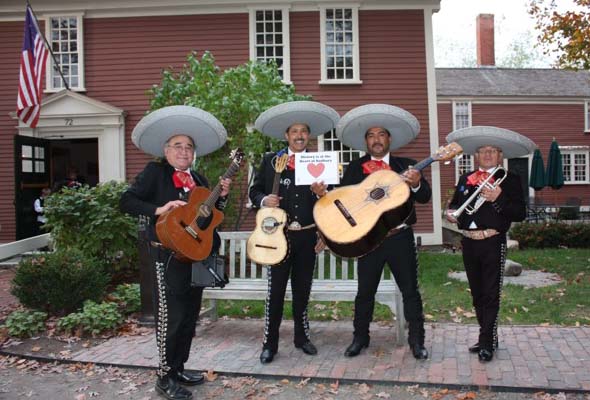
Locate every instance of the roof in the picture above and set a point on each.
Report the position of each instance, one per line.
(512, 82)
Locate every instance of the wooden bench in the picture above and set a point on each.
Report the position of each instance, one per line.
(331, 281)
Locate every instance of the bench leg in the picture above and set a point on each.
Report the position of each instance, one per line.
(213, 309)
(400, 319)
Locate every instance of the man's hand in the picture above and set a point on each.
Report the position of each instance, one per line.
(320, 245)
(412, 177)
(491, 194)
(169, 206)
(319, 188)
(449, 217)
(225, 186)
(272, 200)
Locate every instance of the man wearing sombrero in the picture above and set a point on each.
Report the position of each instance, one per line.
(379, 129)
(484, 231)
(177, 134)
(296, 122)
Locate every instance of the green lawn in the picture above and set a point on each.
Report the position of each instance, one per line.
(567, 303)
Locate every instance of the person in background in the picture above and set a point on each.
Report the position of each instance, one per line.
(39, 206)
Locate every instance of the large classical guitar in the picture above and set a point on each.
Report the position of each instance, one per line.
(267, 244)
(188, 230)
(355, 219)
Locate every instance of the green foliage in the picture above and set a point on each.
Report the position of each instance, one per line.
(94, 319)
(59, 282)
(235, 96)
(25, 323)
(128, 297)
(551, 235)
(89, 219)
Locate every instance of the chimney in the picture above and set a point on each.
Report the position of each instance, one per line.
(485, 40)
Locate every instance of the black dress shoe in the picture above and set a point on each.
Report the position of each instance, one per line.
(355, 348)
(170, 389)
(267, 356)
(474, 348)
(419, 351)
(485, 355)
(308, 348)
(188, 379)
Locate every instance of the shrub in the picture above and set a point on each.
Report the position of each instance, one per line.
(94, 319)
(551, 235)
(59, 282)
(25, 323)
(89, 219)
(128, 297)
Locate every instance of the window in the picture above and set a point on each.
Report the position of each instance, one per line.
(575, 166)
(64, 34)
(329, 142)
(339, 45)
(33, 159)
(462, 119)
(269, 39)
(587, 116)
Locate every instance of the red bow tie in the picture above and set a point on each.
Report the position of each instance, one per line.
(374, 165)
(291, 162)
(476, 178)
(183, 179)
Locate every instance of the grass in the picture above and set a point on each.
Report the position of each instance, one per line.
(445, 299)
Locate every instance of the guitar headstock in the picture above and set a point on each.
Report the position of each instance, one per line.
(237, 155)
(280, 162)
(448, 152)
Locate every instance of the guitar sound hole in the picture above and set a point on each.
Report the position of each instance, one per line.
(377, 194)
(269, 225)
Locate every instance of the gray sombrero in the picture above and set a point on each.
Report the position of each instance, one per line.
(154, 129)
(275, 121)
(402, 125)
(513, 144)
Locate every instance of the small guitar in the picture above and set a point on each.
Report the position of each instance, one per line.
(355, 219)
(188, 230)
(267, 245)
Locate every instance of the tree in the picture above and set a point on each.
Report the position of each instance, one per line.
(236, 97)
(565, 33)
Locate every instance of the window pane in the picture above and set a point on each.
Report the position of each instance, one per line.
(348, 13)
(26, 151)
(40, 167)
(39, 152)
(268, 15)
(278, 15)
(338, 13)
(27, 166)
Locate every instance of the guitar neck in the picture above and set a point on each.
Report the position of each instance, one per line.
(275, 183)
(424, 163)
(231, 171)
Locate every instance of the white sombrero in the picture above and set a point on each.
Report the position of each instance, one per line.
(513, 144)
(402, 125)
(157, 127)
(275, 121)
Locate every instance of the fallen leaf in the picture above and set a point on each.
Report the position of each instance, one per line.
(211, 376)
(36, 348)
(383, 395)
(285, 381)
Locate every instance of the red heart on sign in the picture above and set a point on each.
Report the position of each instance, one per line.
(315, 169)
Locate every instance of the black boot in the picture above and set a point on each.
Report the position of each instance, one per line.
(356, 347)
(169, 388)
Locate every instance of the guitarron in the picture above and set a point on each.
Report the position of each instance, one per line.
(188, 230)
(353, 220)
(267, 245)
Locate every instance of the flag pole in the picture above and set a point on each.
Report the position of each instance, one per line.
(47, 46)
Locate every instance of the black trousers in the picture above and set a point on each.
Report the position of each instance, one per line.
(299, 266)
(177, 306)
(399, 252)
(484, 262)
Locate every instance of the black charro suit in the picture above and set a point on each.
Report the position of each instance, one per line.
(177, 302)
(298, 202)
(484, 260)
(399, 251)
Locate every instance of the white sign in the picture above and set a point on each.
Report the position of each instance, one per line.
(314, 167)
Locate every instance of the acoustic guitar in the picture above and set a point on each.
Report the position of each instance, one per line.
(353, 220)
(267, 245)
(188, 230)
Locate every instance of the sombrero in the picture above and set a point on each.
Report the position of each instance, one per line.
(513, 144)
(157, 127)
(402, 125)
(275, 121)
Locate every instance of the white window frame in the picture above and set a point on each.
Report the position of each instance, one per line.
(572, 152)
(286, 38)
(322, 141)
(463, 159)
(49, 87)
(356, 74)
(587, 116)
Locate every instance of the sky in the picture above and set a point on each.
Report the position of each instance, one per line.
(454, 31)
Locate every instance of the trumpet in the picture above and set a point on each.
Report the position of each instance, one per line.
(479, 200)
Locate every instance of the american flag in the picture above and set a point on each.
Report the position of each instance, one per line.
(32, 69)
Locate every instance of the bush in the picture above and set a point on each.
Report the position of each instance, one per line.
(25, 323)
(94, 319)
(89, 219)
(128, 297)
(59, 282)
(551, 235)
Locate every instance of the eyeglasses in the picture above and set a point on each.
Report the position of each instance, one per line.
(180, 148)
(488, 151)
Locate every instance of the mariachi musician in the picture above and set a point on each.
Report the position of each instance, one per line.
(493, 198)
(296, 122)
(176, 134)
(379, 129)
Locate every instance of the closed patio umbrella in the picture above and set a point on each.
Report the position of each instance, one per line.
(537, 180)
(554, 167)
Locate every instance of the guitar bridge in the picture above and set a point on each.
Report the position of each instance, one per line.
(189, 229)
(345, 212)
